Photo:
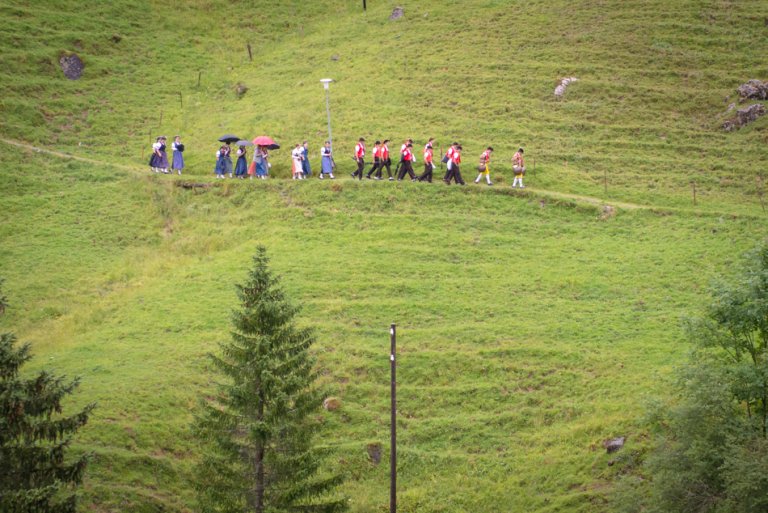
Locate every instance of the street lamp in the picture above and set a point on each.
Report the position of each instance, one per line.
(326, 85)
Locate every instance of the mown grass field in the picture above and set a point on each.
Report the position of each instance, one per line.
(531, 328)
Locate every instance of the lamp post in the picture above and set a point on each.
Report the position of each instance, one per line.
(326, 85)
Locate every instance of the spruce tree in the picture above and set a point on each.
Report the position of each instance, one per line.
(256, 431)
(35, 475)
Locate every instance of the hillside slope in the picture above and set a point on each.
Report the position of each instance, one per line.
(532, 325)
(656, 79)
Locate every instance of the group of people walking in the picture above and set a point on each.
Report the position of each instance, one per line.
(452, 159)
(259, 166)
(158, 160)
(301, 168)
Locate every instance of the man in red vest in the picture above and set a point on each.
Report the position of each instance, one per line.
(407, 166)
(429, 165)
(376, 161)
(454, 163)
(359, 158)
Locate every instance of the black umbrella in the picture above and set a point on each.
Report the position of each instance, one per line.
(229, 138)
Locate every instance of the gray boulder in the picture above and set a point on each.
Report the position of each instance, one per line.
(72, 66)
(744, 116)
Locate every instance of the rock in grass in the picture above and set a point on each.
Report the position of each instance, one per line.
(744, 116)
(608, 212)
(753, 89)
(397, 13)
(241, 89)
(335, 57)
(562, 84)
(72, 66)
(614, 444)
(374, 452)
(332, 403)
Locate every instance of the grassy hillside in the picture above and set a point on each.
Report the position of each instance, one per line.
(655, 81)
(532, 327)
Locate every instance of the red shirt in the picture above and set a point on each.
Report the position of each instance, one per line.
(376, 151)
(360, 150)
(384, 152)
(407, 155)
(428, 155)
(485, 157)
(449, 153)
(456, 157)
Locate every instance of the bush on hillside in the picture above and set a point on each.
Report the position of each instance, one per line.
(711, 451)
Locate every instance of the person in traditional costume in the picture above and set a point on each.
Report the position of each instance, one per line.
(306, 168)
(223, 161)
(518, 168)
(455, 172)
(407, 166)
(155, 155)
(376, 161)
(402, 151)
(484, 167)
(359, 157)
(385, 160)
(160, 163)
(447, 159)
(298, 156)
(262, 163)
(326, 161)
(178, 158)
(429, 165)
(241, 166)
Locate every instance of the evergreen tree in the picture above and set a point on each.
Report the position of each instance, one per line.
(35, 476)
(258, 455)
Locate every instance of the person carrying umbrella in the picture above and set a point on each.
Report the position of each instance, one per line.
(224, 161)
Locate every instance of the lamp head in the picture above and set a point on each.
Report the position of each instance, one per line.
(326, 82)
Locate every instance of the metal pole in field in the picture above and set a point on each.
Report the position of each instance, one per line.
(693, 185)
(326, 85)
(393, 426)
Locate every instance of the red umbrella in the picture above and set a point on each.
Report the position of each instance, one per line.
(264, 140)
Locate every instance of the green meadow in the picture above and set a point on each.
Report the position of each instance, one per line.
(532, 325)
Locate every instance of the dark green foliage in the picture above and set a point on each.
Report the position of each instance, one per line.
(257, 430)
(712, 454)
(35, 476)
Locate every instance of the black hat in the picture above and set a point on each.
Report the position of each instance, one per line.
(377, 142)
(521, 150)
(362, 139)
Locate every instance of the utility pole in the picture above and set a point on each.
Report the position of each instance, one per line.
(326, 85)
(393, 426)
